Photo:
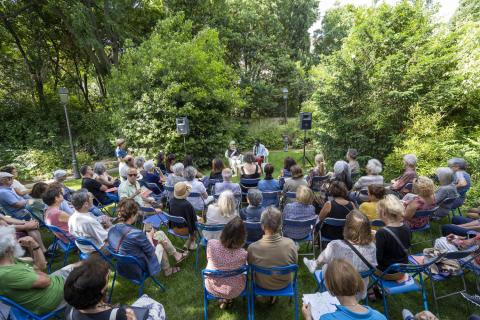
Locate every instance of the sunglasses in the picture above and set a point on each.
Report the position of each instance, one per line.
(132, 175)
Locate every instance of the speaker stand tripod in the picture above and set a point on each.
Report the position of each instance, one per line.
(304, 145)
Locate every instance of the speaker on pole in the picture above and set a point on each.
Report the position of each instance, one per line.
(305, 120)
(183, 127)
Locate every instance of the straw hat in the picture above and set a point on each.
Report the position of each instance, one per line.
(119, 141)
(181, 190)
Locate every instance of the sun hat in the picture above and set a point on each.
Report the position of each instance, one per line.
(119, 141)
(181, 190)
(59, 173)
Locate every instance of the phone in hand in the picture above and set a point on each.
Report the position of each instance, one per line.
(148, 227)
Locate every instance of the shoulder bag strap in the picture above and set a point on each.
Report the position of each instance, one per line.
(125, 233)
(368, 264)
(397, 240)
(113, 314)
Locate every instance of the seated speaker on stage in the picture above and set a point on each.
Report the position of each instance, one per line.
(260, 152)
(234, 157)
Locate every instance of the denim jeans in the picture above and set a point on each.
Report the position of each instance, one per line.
(454, 228)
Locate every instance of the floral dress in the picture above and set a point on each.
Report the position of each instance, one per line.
(415, 223)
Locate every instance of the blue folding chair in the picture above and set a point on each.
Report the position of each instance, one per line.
(176, 220)
(271, 198)
(169, 190)
(211, 185)
(289, 291)
(20, 313)
(84, 256)
(254, 231)
(157, 220)
(222, 274)
(377, 223)
(113, 196)
(196, 195)
(117, 258)
(201, 240)
(333, 222)
(316, 182)
(426, 228)
(308, 226)
(408, 186)
(248, 184)
(291, 195)
(62, 241)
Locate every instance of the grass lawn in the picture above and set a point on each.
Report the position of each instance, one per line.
(183, 298)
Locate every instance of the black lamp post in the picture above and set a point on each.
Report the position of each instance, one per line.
(285, 98)
(63, 93)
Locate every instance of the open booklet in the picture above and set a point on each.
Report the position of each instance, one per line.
(321, 302)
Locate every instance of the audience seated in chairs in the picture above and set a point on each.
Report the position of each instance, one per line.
(197, 187)
(86, 294)
(227, 254)
(292, 184)
(82, 224)
(250, 169)
(273, 250)
(374, 168)
(221, 213)
(35, 204)
(351, 158)
(269, 184)
(461, 178)
(102, 176)
(59, 176)
(24, 228)
(234, 157)
(446, 190)
(180, 207)
(171, 160)
(319, 170)
(176, 175)
(124, 238)
(54, 216)
(217, 167)
(461, 226)
(152, 176)
(253, 211)
(131, 189)
(341, 172)
(422, 199)
(93, 186)
(188, 162)
(161, 162)
(357, 233)
(393, 240)
(259, 152)
(288, 163)
(339, 207)
(227, 183)
(301, 209)
(139, 162)
(410, 173)
(25, 284)
(376, 192)
(12, 203)
(345, 283)
(18, 187)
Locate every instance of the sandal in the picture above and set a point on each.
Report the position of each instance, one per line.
(173, 270)
(183, 256)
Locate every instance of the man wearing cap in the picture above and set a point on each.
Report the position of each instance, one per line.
(11, 202)
(180, 207)
(60, 176)
(234, 157)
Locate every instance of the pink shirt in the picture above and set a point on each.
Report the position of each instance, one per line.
(52, 217)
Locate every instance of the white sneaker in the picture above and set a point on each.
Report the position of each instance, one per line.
(311, 264)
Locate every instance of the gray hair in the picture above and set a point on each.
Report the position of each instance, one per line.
(271, 219)
(374, 166)
(8, 242)
(410, 159)
(255, 197)
(352, 153)
(444, 175)
(458, 162)
(79, 198)
(190, 173)
(341, 167)
(249, 157)
(99, 168)
(148, 165)
(177, 169)
(139, 161)
(227, 174)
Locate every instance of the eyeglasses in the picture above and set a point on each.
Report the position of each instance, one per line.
(132, 174)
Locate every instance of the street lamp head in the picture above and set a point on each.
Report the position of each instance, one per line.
(285, 93)
(63, 93)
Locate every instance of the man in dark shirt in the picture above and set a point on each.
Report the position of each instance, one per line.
(93, 186)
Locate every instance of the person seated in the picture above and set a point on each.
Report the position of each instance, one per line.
(339, 207)
(268, 184)
(171, 159)
(286, 173)
(344, 283)
(410, 174)
(301, 209)
(180, 207)
(131, 189)
(35, 204)
(461, 179)
(82, 224)
(60, 176)
(357, 233)
(221, 213)
(234, 157)
(150, 175)
(25, 228)
(227, 254)
(129, 163)
(19, 188)
(393, 240)
(422, 315)
(54, 216)
(292, 184)
(124, 238)
(422, 198)
(446, 190)
(461, 226)
(351, 158)
(25, 284)
(139, 162)
(10, 201)
(253, 211)
(86, 289)
(161, 162)
(272, 250)
(93, 186)
(376, 192)
(374, 167)
(188, 162)
(250, 169)
(320, 170)
(198, 204)
(227, 183)
(102, 176)
(341, 172)
(259, 152)
(176, 175)
(217, 167)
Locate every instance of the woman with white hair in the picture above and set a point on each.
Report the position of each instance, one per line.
(374, 167)
(176, 175)
(341, 172)
(221, 213)
(410, 173)
(447, 190)
(198, 204)
(102, 176)
(151, 175)
(234, 157)
(461, 177)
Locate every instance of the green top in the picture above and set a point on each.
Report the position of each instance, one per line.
(17, 280)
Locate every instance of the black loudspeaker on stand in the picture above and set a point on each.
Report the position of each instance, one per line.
(305, 124)
(183, 128)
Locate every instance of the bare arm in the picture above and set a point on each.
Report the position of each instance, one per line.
(22, 192)
(325, 210)
(410, 210)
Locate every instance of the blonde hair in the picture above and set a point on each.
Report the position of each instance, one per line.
(391, 208)
(342, 280)
(423, 187)
(304, 195)
(226, 203)
(357, 228)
